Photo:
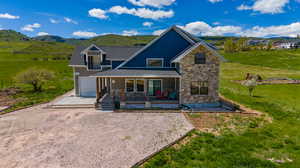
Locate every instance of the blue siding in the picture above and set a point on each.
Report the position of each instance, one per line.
(116, 63)
(167, 47)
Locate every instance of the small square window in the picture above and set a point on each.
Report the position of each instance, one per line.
(200, 58)
(155, 62)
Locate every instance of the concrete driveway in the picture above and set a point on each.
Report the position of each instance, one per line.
(39, 137)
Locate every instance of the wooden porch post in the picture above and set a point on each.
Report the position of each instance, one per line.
(100, 86)
(97, 90)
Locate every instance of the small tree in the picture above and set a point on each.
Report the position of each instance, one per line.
(229, 46)
(242, 45)
(35, 77)
(251, 85)
(269, 46)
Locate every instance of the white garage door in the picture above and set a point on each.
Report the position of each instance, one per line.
(87, 86)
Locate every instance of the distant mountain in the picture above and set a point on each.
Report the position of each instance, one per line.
(118, 40)
(11, 35)
(52, 38)
(49, 38)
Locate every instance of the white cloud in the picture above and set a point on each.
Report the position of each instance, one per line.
(158, 32)
(53, 21)
(214, 1)
(216, 23)
(291, 30)
(244, 7)
(42, 33)
(97, 13)
(8, 16)
(142, 12)
(147, 24)
(84, 34)
(266, 6)
(202, 28)
(31, 27)
(153, 3)
(69, 20)
(130, 33)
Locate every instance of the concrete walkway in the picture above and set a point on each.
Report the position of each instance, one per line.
(70, 99)
(43, 137)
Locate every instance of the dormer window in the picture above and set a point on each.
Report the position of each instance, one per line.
(155, 62)
(94, 58)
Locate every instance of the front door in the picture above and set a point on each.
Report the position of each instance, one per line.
(154, 85)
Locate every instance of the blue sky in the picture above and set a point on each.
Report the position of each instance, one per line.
(87, 18)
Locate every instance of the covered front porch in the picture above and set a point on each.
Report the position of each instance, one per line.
(140, 91)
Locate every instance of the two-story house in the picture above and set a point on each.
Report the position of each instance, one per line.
(174, 69)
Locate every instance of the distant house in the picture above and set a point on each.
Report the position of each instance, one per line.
(257, 42)
(287, 44)
(172, 70)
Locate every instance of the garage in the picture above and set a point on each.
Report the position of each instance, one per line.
(87, 86)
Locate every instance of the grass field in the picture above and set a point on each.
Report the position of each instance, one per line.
(256, 146)
(16, 57)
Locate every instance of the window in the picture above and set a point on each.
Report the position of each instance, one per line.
(203, 88)
(200, 58)
(135, 85)
(140, 85)
(154, 86)
(155, 62)
(199, 88)
(129, 85)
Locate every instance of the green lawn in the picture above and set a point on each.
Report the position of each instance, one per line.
(283, 59)
(253, 147)
(16, 57)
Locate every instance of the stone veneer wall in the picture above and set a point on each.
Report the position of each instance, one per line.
(199, 72)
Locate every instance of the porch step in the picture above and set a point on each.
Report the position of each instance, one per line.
(72, 106)
(106, 104)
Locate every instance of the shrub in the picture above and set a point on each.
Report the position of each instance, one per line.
(251, 85)
(35, 77)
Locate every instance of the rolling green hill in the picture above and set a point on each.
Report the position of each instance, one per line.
(11, 35)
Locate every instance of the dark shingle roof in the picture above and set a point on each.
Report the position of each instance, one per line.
(112, 53)
(137, 73)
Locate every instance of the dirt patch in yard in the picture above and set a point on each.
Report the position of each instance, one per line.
(6, 99)
(273, 81)
(216, 122)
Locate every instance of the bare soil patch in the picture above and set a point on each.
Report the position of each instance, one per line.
(6, 99)
(273, 81)
(216, 122)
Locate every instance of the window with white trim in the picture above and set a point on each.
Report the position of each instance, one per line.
(155, 62)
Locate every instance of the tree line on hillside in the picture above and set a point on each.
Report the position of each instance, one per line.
(231, 46)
